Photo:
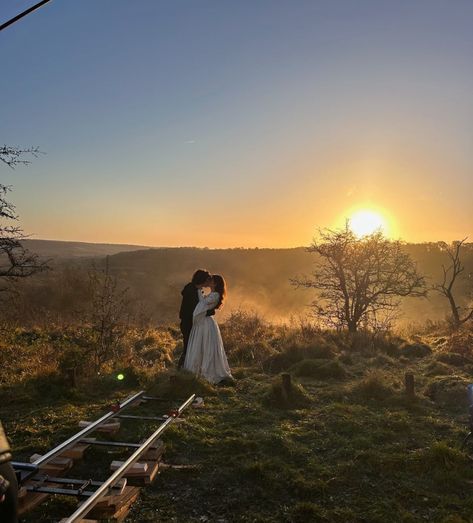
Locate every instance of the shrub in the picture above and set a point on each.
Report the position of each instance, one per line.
(247, 337)
(461, 342)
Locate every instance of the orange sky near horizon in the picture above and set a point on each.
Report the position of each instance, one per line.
(245, 125)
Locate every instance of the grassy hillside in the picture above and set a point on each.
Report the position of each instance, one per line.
(346, 445)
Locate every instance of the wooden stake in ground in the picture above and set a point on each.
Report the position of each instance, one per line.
(286, 384)
(409, 383)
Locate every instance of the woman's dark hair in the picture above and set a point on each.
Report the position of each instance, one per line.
(221, 288)
(200, 277)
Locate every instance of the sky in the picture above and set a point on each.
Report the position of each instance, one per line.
(239, 123)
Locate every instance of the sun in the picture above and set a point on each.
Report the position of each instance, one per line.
(365, 221)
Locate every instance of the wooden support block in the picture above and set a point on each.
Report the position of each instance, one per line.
(148, 477)
(198, 403)
(115, 507)
(155, 453)
(30, 501)
(110, 427)
(55, 466)
(137, 469)
(76, 452)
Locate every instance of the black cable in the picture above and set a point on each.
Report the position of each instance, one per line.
(24, 13)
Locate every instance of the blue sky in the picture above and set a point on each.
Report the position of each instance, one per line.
(247, 123)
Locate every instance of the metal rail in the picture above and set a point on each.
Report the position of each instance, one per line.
(22, 14)
(87, 430)
(118, 474)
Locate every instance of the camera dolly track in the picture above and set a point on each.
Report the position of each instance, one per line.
(112, 497)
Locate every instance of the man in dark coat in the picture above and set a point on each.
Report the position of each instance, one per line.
(190, 298)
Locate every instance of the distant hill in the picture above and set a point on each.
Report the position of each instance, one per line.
(260, 278)
(65, 249)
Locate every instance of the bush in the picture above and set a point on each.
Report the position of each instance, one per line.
(247, 337)
(320, 369)
(461, 342)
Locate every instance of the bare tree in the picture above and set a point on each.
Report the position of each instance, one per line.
(360, 279)
(452, 274)
(109, 316)
(15, 261)
(13, 156)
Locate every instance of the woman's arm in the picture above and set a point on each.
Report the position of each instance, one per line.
(206, 303)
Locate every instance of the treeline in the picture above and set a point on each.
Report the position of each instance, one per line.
(258, 279)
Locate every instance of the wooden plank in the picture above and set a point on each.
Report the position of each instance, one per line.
(146, 478)
(57, 462)
(76, 452)
(30, 501)
(115, 507)
(198, 403)
(137, 469)
(111, 427)
(155, 453)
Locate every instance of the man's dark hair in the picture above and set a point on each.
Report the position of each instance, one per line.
(200, 277)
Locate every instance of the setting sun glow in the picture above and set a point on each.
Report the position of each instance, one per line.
(365, 222)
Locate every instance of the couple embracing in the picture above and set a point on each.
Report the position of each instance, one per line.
(203, 353)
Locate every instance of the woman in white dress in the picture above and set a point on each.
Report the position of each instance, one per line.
(205, 353)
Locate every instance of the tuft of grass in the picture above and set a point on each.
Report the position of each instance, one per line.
(320, 369)
(305, 511)
(178, 385)
(277, 396)
(449, 391)
(415, 350)
(374, 386)
(435, 368)
(453, 358)
(441, 456)
(297, 351)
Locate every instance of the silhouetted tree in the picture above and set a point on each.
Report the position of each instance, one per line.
(15, 261)
(360, 278)
(452, 274)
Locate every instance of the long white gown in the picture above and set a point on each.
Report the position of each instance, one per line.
(205, 353)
